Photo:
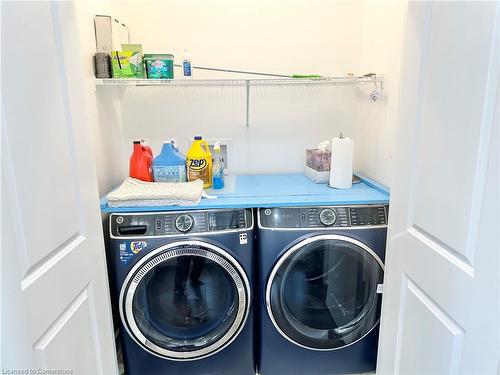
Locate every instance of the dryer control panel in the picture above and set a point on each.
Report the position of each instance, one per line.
(177, 223)
(323, 217)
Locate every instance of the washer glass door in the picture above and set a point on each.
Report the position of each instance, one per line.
(322, 293)
(186, 301)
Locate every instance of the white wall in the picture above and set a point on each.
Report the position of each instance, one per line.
(323, 37)
(383, 25)
(284, 121)
(103, 106)
(294, 36)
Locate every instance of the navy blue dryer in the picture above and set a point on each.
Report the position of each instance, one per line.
(181, 284)
(320, 282)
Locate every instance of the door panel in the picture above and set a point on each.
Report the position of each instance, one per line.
(421, 316)
(322, 293)
(440, 308)
(454, 89)
(57, 346)
(185, 300)
(38, 121)
(55, 297)
(186, 303)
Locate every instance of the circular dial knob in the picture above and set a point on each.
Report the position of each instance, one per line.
(184, 223)
(327, 216)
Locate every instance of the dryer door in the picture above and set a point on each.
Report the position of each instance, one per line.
(185, 301)
(322, 292)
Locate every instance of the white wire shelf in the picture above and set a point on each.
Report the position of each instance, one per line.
(125, 82)
(376, 80)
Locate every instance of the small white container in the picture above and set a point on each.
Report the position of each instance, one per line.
(318, 177)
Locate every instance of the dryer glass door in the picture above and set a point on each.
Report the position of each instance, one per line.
(185, 300)
(322, 293)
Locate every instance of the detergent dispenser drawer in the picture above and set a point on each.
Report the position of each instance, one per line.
(132, 225)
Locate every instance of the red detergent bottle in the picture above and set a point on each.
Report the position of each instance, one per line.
(140, 163)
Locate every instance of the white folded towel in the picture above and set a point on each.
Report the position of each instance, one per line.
(135, 193)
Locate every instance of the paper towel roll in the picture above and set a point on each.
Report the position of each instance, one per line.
(341, 166)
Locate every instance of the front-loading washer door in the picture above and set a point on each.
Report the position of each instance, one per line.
(322, 293)
(185, 300)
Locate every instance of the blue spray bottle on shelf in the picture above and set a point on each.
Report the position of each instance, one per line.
(217, 168)
(186, 64)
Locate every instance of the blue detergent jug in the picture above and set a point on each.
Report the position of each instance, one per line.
(169, 166)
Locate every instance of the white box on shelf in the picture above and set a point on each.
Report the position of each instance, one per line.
(110, 34)
(318, 177)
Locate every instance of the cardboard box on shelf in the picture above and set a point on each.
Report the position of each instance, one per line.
(127, 64)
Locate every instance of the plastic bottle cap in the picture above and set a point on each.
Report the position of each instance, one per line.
(137, 142)
(198, 138)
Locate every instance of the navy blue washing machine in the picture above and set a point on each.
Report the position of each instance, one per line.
(181, 284)
(320, 282)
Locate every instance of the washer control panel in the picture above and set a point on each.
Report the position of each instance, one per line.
(323, 217)
(177, 223)
(361, 216)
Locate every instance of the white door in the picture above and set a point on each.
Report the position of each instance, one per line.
(55, 299)
(440, 312)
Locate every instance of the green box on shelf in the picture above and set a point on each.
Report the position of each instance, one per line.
(127, 64)
(159, 66)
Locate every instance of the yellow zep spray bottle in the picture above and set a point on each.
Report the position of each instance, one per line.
(199, 162)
